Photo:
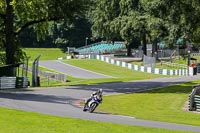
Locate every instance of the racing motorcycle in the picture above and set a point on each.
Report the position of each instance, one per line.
(92, 104)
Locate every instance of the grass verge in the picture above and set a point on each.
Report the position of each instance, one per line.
(123, 74)
(13, 121)
(165, 104)
(118, 74)
(46, 53)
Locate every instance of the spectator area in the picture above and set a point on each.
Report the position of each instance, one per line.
(101, 48)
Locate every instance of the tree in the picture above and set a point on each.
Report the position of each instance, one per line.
(60, 35)
(125, 19)
(180, 16)
(17, 15)
(71, 36)
(180, 19)
(141, 19)
(101, 16)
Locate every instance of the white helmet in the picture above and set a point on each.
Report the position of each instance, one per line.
(99, 92)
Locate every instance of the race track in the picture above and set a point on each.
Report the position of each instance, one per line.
(71, 70)
(63, 101)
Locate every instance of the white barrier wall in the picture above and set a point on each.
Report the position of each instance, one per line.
(145, 69)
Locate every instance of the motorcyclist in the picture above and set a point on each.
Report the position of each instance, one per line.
(98, 93)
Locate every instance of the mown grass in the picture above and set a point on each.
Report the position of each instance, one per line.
(180, 61)
(118, 74)
(165, 104)
(122, 74)
(46, 53)
(162, 104)
(13, 121)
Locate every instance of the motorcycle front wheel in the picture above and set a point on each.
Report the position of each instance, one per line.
(92, 107)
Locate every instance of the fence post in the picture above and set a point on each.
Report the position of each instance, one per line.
(35, 81)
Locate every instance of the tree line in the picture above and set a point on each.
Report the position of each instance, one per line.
(50, 23)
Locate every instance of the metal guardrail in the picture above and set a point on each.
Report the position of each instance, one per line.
(13, 82)
(22, 82)
(194, 99)
(197, 102)
(7, 82)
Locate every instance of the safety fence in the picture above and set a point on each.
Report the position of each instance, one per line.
(194, 99)
(179, 72)
(195, 54)
(46, 76)
(54, 76)
(173, 65)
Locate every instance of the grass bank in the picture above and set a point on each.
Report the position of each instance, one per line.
(165, 104)
(122, 74)
(13, 121)
(118, 74)
(46, 53)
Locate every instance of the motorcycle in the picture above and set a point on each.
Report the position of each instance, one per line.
(92, 104)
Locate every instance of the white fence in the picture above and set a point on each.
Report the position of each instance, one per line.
(179, 72)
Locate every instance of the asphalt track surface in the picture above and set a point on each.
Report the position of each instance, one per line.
(63, 101)
(67, 69)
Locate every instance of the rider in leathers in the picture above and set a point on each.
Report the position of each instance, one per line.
(98, 93)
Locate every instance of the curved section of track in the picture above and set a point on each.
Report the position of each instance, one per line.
(71, 70)
(60, 101)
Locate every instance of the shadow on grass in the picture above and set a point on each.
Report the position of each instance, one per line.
(36, 97)
(148, 86)
(97, 83)
(141, 87)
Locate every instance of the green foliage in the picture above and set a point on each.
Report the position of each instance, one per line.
(102, 16)
(180, 16)
(155, 19)
(60, 35)
(2, 58)
(65, 35)
(16, 16)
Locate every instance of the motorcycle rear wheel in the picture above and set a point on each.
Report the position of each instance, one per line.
(84, 108)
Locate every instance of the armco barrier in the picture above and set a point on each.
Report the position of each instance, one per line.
(13, 82)
(197, 102)
(194, 99)
(22, 82)
(7, 82)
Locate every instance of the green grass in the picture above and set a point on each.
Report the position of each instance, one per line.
(121, 74)
(46, 53)
(161, 105)
(163, 66)
(13, 121)
(165, 104)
